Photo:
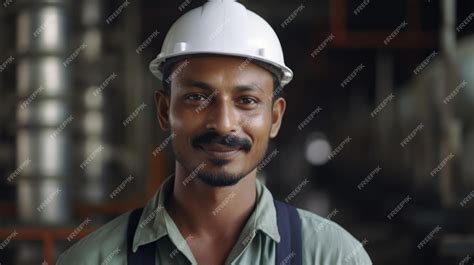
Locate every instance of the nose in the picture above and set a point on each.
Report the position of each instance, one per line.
(222, 117)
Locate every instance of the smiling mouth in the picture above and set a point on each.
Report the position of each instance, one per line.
(220, 151)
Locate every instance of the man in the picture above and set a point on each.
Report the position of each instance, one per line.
(222, 70)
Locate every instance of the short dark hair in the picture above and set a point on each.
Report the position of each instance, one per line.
(168, 68)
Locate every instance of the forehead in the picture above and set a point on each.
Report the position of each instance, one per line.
(223, 70)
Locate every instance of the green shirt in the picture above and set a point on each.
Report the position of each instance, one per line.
(324, 242)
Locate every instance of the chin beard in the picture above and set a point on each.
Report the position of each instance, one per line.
(219, 180)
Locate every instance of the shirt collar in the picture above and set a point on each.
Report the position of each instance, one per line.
(155, 220)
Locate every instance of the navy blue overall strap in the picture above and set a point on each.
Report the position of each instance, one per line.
(289, 251)
(145, 254)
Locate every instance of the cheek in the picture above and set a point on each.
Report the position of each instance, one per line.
(258, 128)
(182, 121)
(178, 118)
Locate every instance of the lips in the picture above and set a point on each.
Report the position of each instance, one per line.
(220, 151)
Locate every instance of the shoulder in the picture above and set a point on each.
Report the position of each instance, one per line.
(106, 243)
(325, 242)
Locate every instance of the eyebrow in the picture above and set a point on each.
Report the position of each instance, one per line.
(206, 86)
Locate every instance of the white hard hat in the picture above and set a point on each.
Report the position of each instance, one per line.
(223, 27)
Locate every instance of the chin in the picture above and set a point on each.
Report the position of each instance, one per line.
(220, 179)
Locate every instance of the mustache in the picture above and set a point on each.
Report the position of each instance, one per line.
(229, 140)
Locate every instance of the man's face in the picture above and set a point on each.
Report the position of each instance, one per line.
(221, 113)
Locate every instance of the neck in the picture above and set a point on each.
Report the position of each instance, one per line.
(203, 210)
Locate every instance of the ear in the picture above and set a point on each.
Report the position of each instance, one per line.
(278, 110)
(162, 102)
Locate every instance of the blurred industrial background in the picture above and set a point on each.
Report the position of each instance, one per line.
(378, 135)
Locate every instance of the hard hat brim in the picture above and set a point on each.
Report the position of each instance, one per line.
(156, 65)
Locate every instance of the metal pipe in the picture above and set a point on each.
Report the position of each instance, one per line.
(447, 122)
(43, 112)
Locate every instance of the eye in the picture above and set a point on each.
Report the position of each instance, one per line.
(247, 101)
(195, 97)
